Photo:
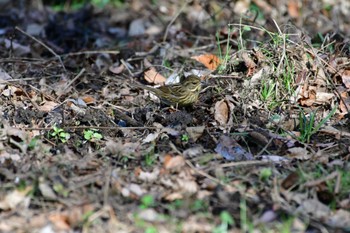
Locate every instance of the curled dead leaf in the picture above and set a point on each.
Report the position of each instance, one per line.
(209, 60)
(223, 112)
(173, 162)
(153, 76)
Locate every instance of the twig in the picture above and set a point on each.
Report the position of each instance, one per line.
(106, 187)
(90, 53)
(245, 163)
(322, 179)
(91, 127)
(173, 20)
(205, 174)
(44, 45)
(71, 82)
(127, 67)
(30, 99)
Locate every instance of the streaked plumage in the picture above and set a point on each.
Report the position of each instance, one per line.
(184, 93)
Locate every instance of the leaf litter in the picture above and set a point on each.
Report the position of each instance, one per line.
(267, 142)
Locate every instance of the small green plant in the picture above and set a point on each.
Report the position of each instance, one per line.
(33, 142)
(199, 205)
(286, 224)
(59, 134)
(307, 125)
(224, 58)
(167, 63)
(175, 205)
(147, 201)
(246, 225)
(92, 135)
(184, 138)
(59, 188)
(78, 4)
(151, 230)
(267, 90)
(265, 174)
(150, 158)
(226, 220)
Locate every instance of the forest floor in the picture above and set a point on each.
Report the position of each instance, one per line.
(265, 148)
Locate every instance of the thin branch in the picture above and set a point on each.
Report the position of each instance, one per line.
(173, 20)
(71, 82)
(44, 45)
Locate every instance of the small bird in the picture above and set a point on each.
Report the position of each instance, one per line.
(183, 93)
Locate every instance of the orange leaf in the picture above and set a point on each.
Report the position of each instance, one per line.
(345, 76)
(173, 162)
(89, 100)
(293, 9)
(209, 60)
(152, 76)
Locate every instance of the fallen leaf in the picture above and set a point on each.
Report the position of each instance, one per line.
(209, 60)
(137, 27)
(174, 162)
(116, 68)
(298, 153)
(174, 196)
(89, 100)
(150, 137)
(222, 112)
(147, 176)
(340, 218)
(231, 150)
(193, 151)
(293, 9)
(60, 220)
(290, 180)
(152, 75)
(249, 63)
(47, 191)
(4, 76)
(188, 186)
(149, 215)
(48, 106)
(345, 76)
(195, 132)
(14, 198)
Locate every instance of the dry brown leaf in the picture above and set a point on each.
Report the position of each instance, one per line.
(250, 64)
(323, 97)
(173, 162)
(76, 214)
(89, 100)
(344, 108)
(116, 68)
(147, 176)
(309, 97)
(60, 220)
(345, 76)
(153, 76)
(195, 132)
(223, 110)
(298, 153)
(14, 198)
(188, 186)
(293, 9)
(290, 180)
(209, 60)
(48, 106)
(173, 196)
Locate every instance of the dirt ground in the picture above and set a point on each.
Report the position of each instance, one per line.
(86, 147)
